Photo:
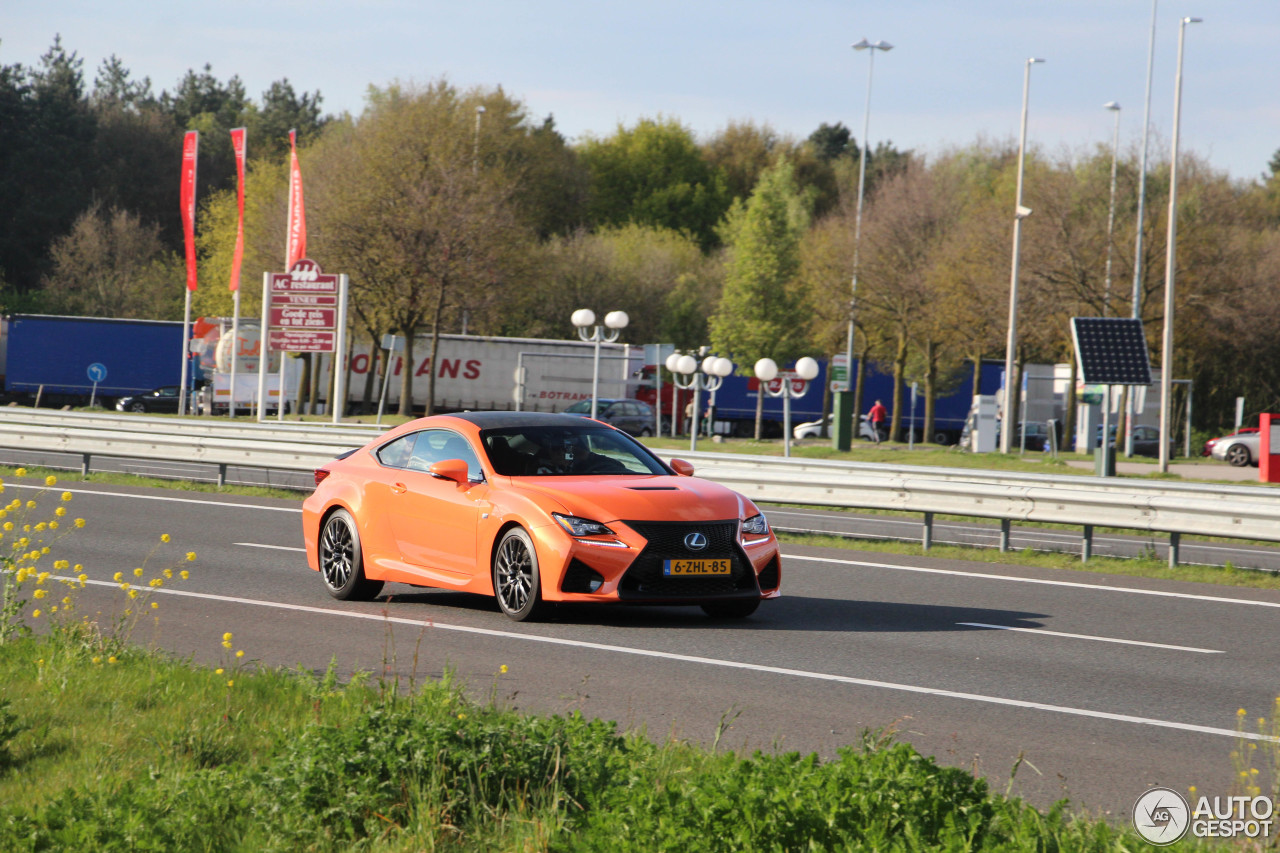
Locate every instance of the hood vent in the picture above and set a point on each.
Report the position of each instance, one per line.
(653, 488)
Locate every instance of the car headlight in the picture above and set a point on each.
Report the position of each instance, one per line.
(576, 526)
(755, 525)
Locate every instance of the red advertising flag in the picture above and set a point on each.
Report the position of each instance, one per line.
(190, 143)
(238, 146)
(297, 245)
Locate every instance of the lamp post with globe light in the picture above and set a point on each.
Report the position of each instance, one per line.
(585, 320)
(795, 383)
(707, 376)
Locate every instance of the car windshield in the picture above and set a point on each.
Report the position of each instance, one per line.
(529, 451)
(582, 407)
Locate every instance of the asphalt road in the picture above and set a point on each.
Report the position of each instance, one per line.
(1103, 686)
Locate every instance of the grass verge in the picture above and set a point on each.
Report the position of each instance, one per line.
(141, 752)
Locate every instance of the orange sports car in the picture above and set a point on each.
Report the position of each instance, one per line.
(533, 508)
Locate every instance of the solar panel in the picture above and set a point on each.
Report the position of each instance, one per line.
(1111, 351)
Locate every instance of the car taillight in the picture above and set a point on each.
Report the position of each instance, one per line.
(321, 473)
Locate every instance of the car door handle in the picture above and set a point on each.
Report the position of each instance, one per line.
(399, 489)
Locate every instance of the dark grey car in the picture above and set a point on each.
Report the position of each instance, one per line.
(631, 415)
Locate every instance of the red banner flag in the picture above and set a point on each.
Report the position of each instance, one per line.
(238, 146)
(297, 244)
(190, 143)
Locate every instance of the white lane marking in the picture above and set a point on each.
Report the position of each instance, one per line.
(1048, 633)
(726, 664)
(168, 498)
(1097, 587)
(272, 547)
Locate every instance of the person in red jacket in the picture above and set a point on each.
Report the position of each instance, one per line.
(877, 417)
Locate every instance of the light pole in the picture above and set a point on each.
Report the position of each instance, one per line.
(1136, 307)
(806, 370)
(846, 418)
(706, 376)
(1166, 349)
(1111, 210)
(585, 320)
(1019, 213)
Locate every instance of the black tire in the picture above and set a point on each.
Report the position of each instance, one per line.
(516, 583)
(735, 608)
(342, 561)
(138, 407)
(1239, 456)
(646, 432)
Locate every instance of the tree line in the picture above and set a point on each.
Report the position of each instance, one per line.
(457, 209)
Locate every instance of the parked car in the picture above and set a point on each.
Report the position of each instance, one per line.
(1207, 450)
(554, 489)
(631, 415)
(813, 429)
(1239, 450)
(162, 399)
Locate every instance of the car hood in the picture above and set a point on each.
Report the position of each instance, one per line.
(659, 498)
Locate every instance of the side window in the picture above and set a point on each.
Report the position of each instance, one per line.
(396, 454)
(437, 445)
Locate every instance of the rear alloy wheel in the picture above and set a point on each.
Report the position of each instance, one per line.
(1238, 455)
(138, 407)
(342, 562)
(515, 576)
(736, 608)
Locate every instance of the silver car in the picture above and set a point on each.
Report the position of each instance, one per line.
(1240, 449)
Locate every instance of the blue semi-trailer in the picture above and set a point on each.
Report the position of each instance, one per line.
(57, 359)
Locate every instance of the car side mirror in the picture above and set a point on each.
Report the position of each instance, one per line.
(681, 467)
(450, 469)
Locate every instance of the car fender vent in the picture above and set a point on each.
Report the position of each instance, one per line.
(652, 488)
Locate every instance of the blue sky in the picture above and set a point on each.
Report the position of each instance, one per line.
(954, 75)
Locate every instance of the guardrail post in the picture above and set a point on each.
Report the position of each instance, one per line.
(1175, 542)
(84, 464)
(927, 537)
(1086, 544)
(1005, 524)
(222, 474)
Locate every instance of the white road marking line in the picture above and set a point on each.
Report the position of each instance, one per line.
(272, 547)
(1048, 633)
(1097, 587)
(726, 664)
(168, 498)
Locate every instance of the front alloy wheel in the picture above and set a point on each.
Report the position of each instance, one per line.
(341, 560)
(1238, 455)
(515, 576)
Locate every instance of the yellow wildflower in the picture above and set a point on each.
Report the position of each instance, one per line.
(503, 669)
(218, 671)
(240, 653)
(35, 614)
(112, 659)
(185, 574)
(66, 496)
(79, 522)
(226, 638)
(137, 573)
(117, 577)
(51, 480)
(164, 537)
(21, 472)
(191, 556)
(59, 512)
(31, 504)
(155, 606)
(40, 593)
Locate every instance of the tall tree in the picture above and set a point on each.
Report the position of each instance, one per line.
(654, 174)
(762, 313)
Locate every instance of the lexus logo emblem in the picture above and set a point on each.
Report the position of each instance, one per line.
(695, 541)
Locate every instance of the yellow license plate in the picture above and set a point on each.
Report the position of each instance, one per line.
(693, 568)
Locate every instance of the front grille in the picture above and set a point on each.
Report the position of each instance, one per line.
(644, 578)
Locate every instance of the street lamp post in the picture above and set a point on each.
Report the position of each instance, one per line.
(475, 151)
(1019, 213)
(706, 376)
(794, 384)
(1136, 304)
(1166, 349)
(846, 419)
(1111, 210)
(585, 320)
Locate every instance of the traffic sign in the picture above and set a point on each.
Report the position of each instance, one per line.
(97, 372)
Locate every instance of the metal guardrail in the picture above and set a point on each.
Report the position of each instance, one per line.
(1175, 509)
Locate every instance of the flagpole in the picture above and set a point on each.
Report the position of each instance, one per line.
(190, 153)
(288, 258)
(238, 144)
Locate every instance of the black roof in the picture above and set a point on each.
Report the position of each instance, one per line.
(500, 420)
